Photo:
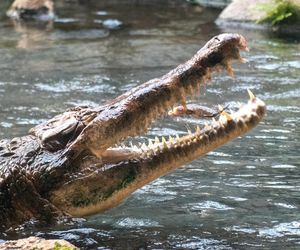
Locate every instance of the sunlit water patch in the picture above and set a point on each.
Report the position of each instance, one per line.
(281, 229)
(136, 223)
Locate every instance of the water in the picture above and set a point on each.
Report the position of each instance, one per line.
(244, 195)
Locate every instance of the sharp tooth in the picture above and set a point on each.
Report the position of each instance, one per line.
(220, 108)
(150, 144)
(135, 148)
(198, 130)
(214, 120)
(156, 139)
(240, 104)
(165, 145)
(228, 116)
(189, 132)
(163, 140)
(177, 137)
(230, 72)
(156, 150)
(144, 146)
(251, 95)
(183, 98)
(171, 139)
(229, 69)
(206, 125)
(198, 87)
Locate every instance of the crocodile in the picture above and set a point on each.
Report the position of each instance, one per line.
(74, 164)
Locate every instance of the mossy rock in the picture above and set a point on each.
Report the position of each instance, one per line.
(37, 243)
(269, 11)
(280, 12)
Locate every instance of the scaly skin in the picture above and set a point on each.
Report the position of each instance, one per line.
(68, 165)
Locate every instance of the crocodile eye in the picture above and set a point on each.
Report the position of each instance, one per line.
(213, 42)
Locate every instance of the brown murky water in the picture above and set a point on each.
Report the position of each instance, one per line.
(245, 195)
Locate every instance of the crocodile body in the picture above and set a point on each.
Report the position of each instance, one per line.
(70, 166)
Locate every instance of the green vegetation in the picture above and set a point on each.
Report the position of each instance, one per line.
(280, 11)
(61, 247)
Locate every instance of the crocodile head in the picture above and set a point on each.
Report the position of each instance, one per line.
(103, 173)
(73, 164)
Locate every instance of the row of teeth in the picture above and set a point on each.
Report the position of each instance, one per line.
(163, 143)
(190, 90)
(143, 128)
(227, 65)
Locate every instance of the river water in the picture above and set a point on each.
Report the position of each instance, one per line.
(245, 195)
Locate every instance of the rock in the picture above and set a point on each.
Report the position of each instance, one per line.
(246, 14)
(37, 244)
(212, 3)
(247, 11)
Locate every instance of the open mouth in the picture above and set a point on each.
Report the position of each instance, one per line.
(95, 130)
(108, 173)
(220, 126)
(103, 184)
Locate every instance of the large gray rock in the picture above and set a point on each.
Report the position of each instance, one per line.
(240, 10)
(247, 11)
(245, 14)
(213, 3)
(37, 244)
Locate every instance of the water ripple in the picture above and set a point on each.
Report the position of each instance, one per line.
(134, 222)
(284, 205)
(280, 230)
(284, 166)
(201, 244)
(208, 205)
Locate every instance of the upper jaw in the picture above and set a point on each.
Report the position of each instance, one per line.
(132, 113)
(227, 45)
(96, 130)
(103, 181)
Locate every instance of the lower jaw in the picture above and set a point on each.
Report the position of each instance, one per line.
(163, 157)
